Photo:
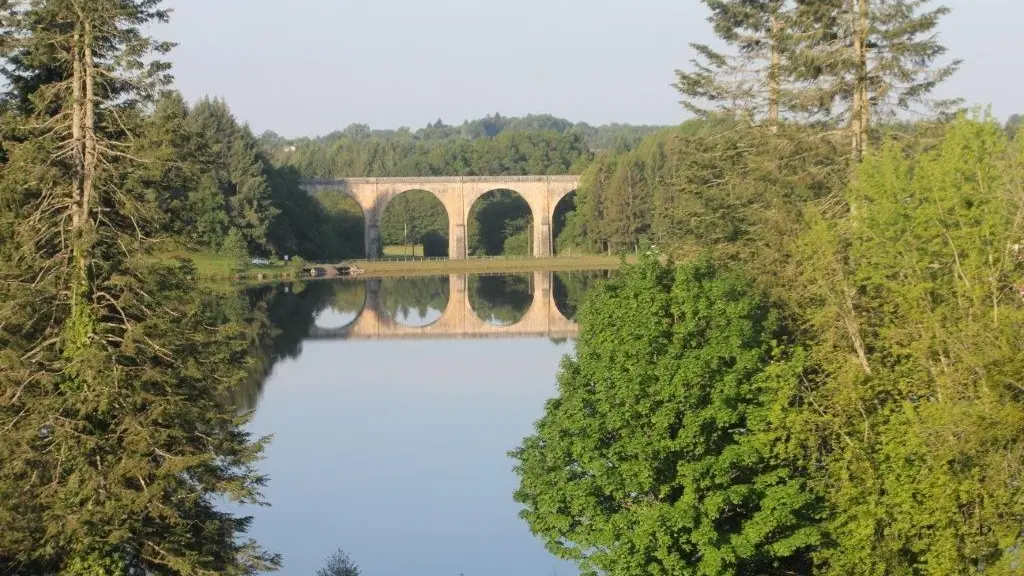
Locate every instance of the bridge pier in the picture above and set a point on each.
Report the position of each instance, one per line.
(542, 235)
(371, 236)
(456, 241)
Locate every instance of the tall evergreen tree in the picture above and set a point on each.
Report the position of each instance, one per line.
(749, 82)
(241, 171)
(175, 153)
(867, 59)
(115, 446)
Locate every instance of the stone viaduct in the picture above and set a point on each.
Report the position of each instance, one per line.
(458, 319)
(457, 194)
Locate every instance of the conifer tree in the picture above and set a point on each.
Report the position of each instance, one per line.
(861, 60)
(114, 445)
(240, 171)
(750, 81)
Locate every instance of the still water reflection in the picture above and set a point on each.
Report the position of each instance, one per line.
(393, 404)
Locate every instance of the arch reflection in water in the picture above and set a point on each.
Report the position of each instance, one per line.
(458, 320)
(415, 302)
(502, 299)
(341, 305)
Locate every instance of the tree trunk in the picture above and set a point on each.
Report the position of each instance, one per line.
(853, 328)
(83, 144)
(774, 71)
(77, 132)
(862, 62)
(859, 17)
(91, 148)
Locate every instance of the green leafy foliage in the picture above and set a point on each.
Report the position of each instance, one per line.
(495, 218)
(667, 449)
(494, 145)
(928, 447)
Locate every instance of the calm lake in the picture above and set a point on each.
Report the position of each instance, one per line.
(392, 404)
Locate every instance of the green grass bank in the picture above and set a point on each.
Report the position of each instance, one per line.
(215, 267)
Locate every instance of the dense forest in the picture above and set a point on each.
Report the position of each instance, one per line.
(445, 150)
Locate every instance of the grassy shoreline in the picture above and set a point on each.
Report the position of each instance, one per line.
(411, 267)
(215, 269)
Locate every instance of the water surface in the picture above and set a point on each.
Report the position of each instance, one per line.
(392, 416)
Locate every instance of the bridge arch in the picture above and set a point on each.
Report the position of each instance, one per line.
(374, 196)
(409, 301)
(500, 222)
(347, 303)
(415, 218)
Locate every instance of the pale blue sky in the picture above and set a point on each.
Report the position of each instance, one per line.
(304, 67)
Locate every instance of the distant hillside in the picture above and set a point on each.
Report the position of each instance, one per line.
(606, 137)
(496, 145)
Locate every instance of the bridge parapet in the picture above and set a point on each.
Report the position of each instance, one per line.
(446, 180)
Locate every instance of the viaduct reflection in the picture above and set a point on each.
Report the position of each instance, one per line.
(282, 317)
(458, 319)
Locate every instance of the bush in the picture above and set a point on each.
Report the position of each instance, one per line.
(236, 248)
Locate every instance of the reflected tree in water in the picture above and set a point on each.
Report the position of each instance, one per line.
(347, 297)
(501, 300)
(570, 287)
(402, 296)
(278, 319)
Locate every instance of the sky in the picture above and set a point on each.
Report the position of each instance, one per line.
(308, 67)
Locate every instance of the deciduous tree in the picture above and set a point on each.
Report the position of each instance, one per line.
(668, 449)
